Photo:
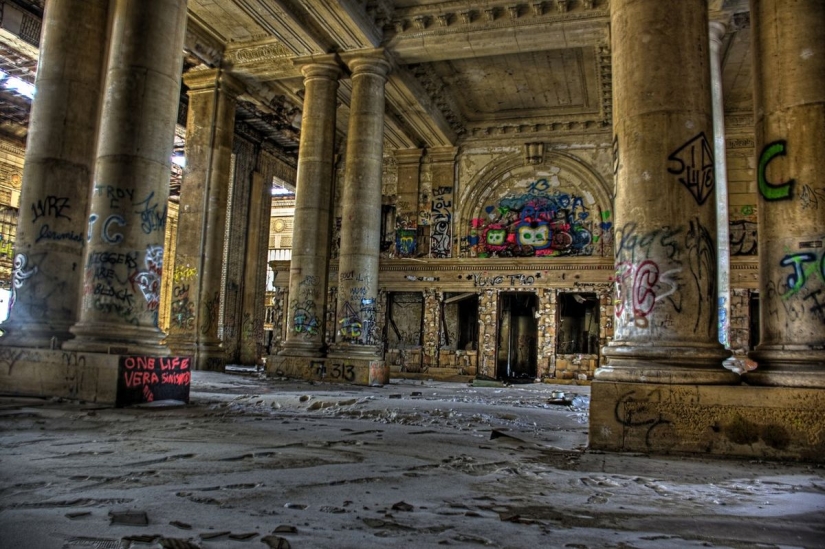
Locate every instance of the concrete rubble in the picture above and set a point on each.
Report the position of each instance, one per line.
(255, 462)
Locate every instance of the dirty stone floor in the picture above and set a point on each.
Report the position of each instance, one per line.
(255, 462)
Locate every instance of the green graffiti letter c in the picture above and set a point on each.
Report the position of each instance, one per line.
(769, 190)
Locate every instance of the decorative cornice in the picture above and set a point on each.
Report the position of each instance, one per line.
(270, 51)
(528, 130)
(452, 17)
(435, 87)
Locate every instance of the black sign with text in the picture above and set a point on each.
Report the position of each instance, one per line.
(144, 379)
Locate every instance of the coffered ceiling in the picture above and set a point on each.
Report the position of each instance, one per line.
(462, 70)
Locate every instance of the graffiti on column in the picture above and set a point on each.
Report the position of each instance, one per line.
(648, 272)
(210, 313)
(20, 274)
(441, 222)
(543, 221)
(152, 217)
(769, 190)
(183, 309)
(304, 309)
(148, 281)
(53, 208)
(693, 163)
(701, 248)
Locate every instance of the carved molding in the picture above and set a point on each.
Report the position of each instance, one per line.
(257, 53)
(740, 143)
(411, 22)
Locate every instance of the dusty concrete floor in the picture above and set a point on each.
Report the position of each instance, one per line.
(408, 465)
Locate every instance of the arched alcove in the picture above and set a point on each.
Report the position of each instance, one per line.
(560, 207)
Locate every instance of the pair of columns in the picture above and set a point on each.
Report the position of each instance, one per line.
(666, 231)
(89, 252)
(356, 334)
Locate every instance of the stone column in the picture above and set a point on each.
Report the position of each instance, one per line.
(254, 270)
(57, 177)
(210, 129)
(789, 102)
(406, 207)
(361, 214)
(666, 253)
(717, 34)
(309, 267)
(123, 260)
(442, 164)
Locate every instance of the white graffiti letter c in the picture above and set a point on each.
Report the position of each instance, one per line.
(112, 238)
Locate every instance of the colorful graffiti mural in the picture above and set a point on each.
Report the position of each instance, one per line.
(543, 221)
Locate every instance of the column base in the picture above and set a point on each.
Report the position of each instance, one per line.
(672, 364)
(301, 348)
(736, 421)
(787, 366)
(345, 351)
(105, 338)
(370, 372)
(34, 335)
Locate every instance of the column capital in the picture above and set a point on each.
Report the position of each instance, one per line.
(408, 156)
(209, 79)
(442, 154)
(371, 61)
(327, 66)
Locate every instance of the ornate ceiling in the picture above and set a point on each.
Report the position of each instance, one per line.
(463, 70)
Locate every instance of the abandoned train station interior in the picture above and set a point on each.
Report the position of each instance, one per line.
(626, 196)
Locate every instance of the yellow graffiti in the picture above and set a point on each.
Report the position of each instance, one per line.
(182, 274)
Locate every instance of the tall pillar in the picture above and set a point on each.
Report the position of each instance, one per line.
(406, 207)
(442, 165)
(254, 270)
(196, 295)
(57, 178)
(789, 103)
(309, 267)
(717, 33)
(357, 333)
(123, 260)
(666, 254)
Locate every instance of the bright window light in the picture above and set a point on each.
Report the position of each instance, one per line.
(179, 159)
(15, 84)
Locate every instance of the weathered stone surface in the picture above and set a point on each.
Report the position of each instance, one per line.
(342, 370)
(53, 373)
(743, 421)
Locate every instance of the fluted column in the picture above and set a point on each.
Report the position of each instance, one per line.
(357, 333)
(308, 270)
(789, 104)
(196, 295)
(717, 33)
(123, 260)
(57, 177)
(665, 211)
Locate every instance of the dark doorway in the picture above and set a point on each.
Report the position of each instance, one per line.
(517, 339)
(460, 321)
(753, 321)
(578, 327)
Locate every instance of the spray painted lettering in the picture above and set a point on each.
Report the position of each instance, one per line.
(772, 191)
(694, 166)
